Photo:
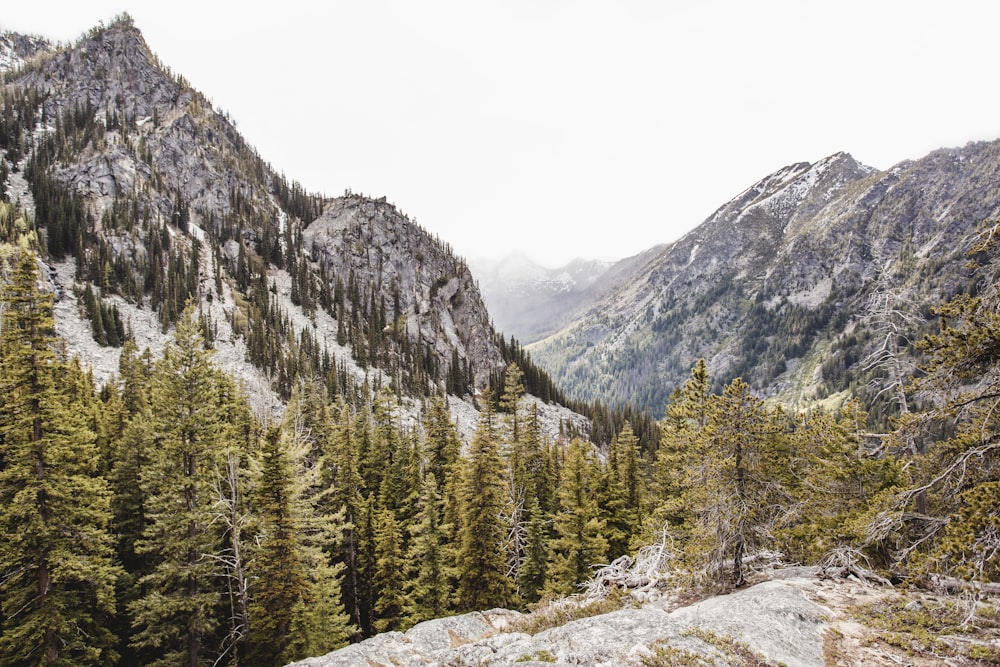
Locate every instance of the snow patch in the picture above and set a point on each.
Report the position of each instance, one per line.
(694, 253)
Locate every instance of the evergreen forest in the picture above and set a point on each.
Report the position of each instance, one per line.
(157, 520)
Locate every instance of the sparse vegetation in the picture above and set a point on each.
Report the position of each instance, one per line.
(554, 613)
(938, 627)
(721, 650)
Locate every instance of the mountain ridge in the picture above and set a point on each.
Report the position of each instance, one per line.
(161, 178)
(778, 278)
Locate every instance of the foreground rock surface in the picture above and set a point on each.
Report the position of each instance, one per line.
(778, 619)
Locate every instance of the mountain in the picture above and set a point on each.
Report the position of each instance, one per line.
(527, 300)
(531, 302)
(167, 517)
(778, 285)
(148, 198)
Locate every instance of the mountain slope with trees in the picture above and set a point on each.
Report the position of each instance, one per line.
(157, 511)
(145, 198)
(789, 284)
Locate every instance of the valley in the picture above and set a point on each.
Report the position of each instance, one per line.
(243, 423)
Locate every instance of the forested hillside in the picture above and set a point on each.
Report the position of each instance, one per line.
(157, 520)
(209, 534)
(790, 285)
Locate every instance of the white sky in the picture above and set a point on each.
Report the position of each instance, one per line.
(568, 128)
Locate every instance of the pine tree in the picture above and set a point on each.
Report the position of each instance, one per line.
(513, 390)
(441, 441)
(57, 576)
(427, 584)
(318, 622)
(736, 487)
(518, 481)
(680, 449)
(482, 580)
(578, 541)
(346, 485)
(390, 601)
(620, 491)
(534, 570)
(940, 521)
(178, 617)
(838, 478)
(280, 579)
(442, 448)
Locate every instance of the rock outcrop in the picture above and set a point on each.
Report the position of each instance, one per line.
(778, 619)
(432, 291)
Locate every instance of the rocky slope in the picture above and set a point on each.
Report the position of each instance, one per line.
(794, 618)
(435, 296)
(163, 179)
(16, 48)
(776, 285)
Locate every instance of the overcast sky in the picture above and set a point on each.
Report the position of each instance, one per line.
(568, 129)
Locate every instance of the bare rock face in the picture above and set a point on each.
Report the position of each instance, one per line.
(16, 48)
(176, 143)
(433, 289)
(442, 641)
(775, 619)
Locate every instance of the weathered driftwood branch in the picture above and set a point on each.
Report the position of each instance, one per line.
(846, 562)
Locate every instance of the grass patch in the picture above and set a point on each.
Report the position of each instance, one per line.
(540, 656)
(720, 650)
(553, 614)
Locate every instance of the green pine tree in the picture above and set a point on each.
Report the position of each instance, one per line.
(427, 585)
(679, 450)
(534, 570)
(178, 619)
(318, 621)
(578, 542)
(737, 486)
(279, 575)
(57, 577)
(390, 600)
(346, 485)
(620, 492)
(482, 578)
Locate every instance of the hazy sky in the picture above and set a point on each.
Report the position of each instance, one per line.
(564, 129)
